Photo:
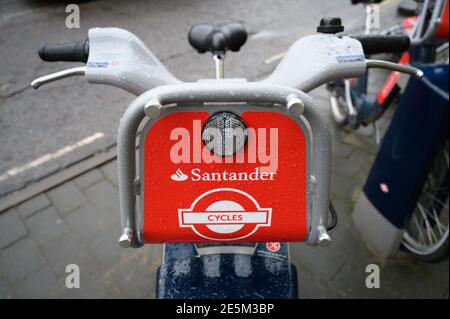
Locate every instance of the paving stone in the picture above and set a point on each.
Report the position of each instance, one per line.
(11, 228)
(311, 287)
(345, 168)
(409, 280)
(87, 223)
(341, 186)
(345, 238)
(21, 259)
(105, 198)
(323, 261)
(343, 214)
(361, 179)
(33, 205)
(105, 249)
(439, 272)
(89, 178)
(66, 197)
(46, 225)
(90, 288)
(355, 196)
(67, 250)
(342, 150)
(343, 206)
(110, 171)
(6, 291)
(135, 274)
(41, 284)
(351, 282)
(365, 143)
(361, 158)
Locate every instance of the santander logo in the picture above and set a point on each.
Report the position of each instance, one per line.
(197, 175)
(179, 176)
(224, 214)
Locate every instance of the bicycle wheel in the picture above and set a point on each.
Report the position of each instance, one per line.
(426, 235)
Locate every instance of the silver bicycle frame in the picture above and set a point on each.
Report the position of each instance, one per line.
(119, 58)
(418, 34)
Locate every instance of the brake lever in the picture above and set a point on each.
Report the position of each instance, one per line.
(58, 76)
(407, 69)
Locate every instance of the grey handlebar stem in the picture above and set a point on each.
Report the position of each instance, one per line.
(318, 59)
(118, 58)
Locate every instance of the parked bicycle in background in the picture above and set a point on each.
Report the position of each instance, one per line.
(351, 102)
(424, 191)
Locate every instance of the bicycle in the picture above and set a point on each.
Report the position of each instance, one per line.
(228, 171)
(351, 103)
(351, 106)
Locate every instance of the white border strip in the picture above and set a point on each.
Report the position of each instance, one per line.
(50, 156)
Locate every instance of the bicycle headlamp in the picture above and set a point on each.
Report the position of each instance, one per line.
(224, 133)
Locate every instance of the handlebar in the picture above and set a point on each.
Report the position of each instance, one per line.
(57, 76)
(406, 69)
(379, 43)
(320, 58)
(68, 52)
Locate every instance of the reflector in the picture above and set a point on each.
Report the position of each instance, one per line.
(224, 133)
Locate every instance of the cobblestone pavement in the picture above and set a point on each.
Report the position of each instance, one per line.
(78, 223)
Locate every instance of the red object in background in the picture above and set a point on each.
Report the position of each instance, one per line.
(408, 24)
(391, 81)
(442, 31)
(178, 209)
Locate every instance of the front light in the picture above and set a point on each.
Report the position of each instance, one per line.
(224, 133)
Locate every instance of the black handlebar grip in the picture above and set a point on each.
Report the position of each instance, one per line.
(68, 52)
(378, 43)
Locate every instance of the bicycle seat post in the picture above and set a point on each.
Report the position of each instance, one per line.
(217, 40)
(372, 13)
(219, 63)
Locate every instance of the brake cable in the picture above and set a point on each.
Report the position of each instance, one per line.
(334, 218)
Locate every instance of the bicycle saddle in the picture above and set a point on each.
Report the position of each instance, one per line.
(207, 37)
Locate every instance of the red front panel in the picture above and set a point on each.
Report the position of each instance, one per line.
(191, 195)
(442, 31)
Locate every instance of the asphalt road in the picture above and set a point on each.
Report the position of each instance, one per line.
(39, 130)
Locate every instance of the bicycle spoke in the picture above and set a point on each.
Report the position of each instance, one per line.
(435, 199)
(440, 226)
(428, 228)
(434, 216)
(430, 233)
(421, 239)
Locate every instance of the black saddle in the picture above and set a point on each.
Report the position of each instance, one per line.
(217, 39)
